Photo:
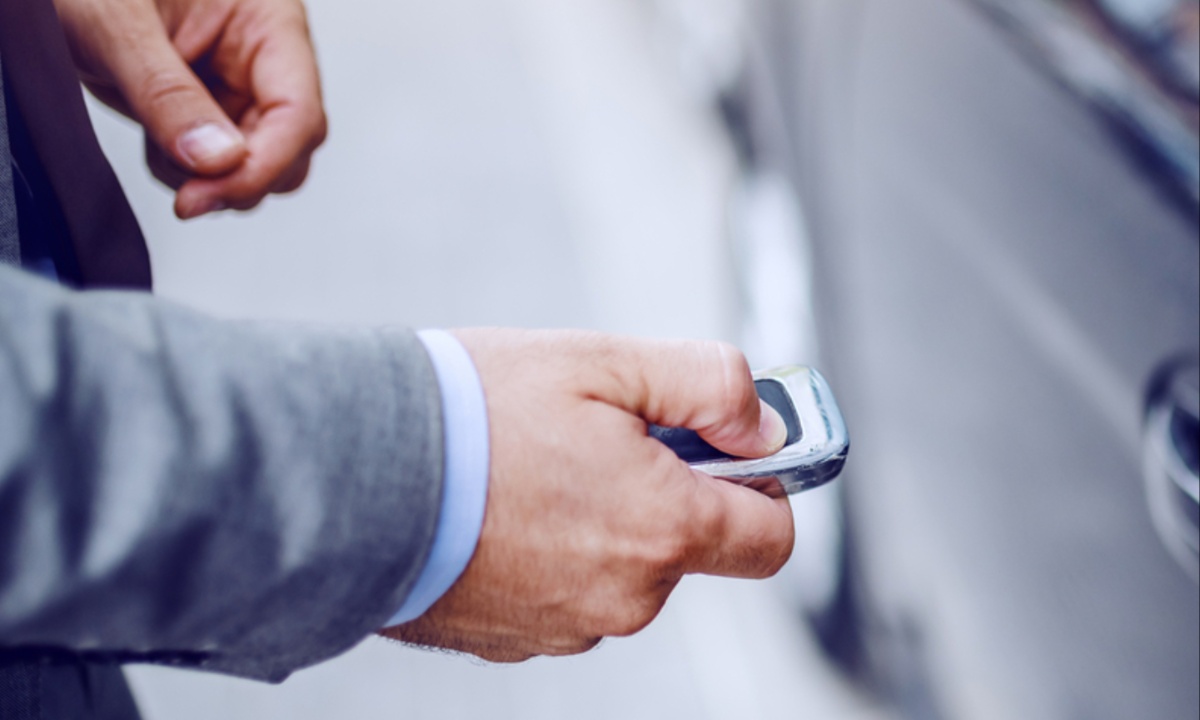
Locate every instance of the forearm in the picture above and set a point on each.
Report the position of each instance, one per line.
(259, 497)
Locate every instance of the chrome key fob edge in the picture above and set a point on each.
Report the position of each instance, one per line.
(816, 451)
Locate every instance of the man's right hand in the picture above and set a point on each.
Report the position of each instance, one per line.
(590, 523)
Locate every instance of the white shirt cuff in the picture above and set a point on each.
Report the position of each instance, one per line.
(465, 482)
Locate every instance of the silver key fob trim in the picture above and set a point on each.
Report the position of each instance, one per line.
(814, 459)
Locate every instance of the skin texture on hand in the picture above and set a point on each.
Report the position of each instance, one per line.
(227, 90)
(591, 523)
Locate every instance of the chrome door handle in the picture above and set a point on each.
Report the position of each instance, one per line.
(1171, 454)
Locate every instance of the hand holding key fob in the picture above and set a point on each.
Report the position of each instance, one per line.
(817, 440)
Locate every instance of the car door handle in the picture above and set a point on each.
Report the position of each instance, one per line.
(1171, 455)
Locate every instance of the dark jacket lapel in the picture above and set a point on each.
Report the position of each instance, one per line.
(43, 84)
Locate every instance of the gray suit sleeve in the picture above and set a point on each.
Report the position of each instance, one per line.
(239, 497)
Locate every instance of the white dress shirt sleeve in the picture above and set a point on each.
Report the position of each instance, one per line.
(464, 494)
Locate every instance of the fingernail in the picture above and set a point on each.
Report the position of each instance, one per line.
(771, 428)
(208, 143)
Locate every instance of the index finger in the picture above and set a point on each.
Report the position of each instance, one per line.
(739, 532)
(286, 86)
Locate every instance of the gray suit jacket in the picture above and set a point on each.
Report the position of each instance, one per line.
(238, 497)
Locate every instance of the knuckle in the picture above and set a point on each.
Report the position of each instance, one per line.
(162, 88)
(247, 203)
(737, 389)
(636, 619)
(310, 125)
(319, 132)
(732, 357)
(631, 626)
(733, 361)
(291, 183)
(602, 350)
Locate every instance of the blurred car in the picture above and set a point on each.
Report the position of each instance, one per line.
(1001, 202)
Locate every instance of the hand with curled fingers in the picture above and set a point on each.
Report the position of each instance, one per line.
(227, 90)
(590, 523)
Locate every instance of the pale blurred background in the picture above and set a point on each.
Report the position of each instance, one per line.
(532, 163)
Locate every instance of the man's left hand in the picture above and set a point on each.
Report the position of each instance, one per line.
(227, 91)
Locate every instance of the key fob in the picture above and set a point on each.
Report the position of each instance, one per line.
(817, 440)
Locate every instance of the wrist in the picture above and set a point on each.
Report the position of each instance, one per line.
(464, 477)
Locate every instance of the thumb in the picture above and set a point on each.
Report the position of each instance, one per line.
(179, 114)
(706, 387)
